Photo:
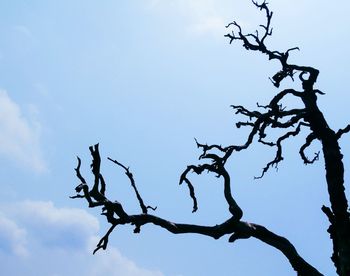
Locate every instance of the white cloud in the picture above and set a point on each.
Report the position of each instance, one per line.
(56, 227)
(19, 139)
(58, 241)
(13, 239)
(121, 265)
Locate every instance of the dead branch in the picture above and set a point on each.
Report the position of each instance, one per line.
(144, 208)
(233, 226)
(309, 139)
(343, 131)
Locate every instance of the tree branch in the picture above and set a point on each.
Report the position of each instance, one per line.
(102, 244)
(309, 139)
(288, 70)
(95, 167)
(274, 115)
(233, 226)
(343, 131)
(239, 229)
(77, 171)
(278, 157)
(144, 208)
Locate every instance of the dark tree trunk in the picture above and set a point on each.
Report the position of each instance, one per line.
(339, 219)
(338, 214)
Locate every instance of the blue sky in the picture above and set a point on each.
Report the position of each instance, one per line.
(143, 78)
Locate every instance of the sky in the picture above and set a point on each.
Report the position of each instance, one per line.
(144, 78)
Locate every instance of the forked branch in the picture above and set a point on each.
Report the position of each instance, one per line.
(233, 226)
(258, 44)
(270, 116)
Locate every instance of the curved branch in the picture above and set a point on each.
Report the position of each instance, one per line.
(218, 168)
(309, 139)
(274, 102)
(240, 229)
(77, 171)
(183, 178)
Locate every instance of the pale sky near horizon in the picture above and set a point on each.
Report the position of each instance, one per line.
(143, 78)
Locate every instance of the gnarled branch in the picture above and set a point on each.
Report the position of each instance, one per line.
(233, 226)
(309, 139)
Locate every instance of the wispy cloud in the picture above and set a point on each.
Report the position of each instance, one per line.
(57, 241)
(204, 16)
(20, 136)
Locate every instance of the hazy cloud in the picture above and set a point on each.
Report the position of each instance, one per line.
(57, 241)
(19, 139)
(13, 239)
(56, 227)
(204, 15)
(121, 265)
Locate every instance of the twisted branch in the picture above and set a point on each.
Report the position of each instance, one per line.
(309, 139)
(288, 70)
(233, 226)
(274, 115)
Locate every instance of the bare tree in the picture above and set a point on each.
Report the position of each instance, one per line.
(214, 157)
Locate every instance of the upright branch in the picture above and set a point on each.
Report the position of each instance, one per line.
(95, 167)
(254, 42)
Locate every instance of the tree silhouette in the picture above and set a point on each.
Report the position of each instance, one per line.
(214, 157)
